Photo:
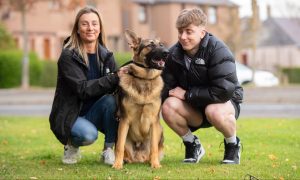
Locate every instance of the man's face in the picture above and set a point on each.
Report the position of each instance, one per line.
(189, 37)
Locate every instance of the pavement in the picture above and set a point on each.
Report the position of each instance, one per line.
(277, 102)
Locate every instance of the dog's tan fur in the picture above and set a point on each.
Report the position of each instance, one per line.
(140, 134)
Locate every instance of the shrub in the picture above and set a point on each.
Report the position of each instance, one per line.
(42, 73)
(293, 74)
(10, 68)
(49, 74)
(122, 57)
(35, 69)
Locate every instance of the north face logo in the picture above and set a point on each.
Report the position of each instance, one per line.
(200, 61)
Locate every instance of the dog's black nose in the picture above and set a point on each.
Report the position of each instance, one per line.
(165, 53)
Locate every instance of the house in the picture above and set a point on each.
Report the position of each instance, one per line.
(277, 45)
(158, 18)
(50, 22)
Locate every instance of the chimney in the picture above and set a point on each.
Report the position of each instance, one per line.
(255, 10)
(269, 15)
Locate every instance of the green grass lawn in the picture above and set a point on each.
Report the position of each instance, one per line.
(271, 148)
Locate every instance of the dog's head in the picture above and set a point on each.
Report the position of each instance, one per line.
(148, 53)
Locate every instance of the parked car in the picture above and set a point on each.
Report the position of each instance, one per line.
(261, 78)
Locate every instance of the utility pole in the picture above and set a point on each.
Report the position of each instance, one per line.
(25, 60)
(254, 30)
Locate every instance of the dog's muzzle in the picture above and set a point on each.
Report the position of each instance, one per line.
(157, 58)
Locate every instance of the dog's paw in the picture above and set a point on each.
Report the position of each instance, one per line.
(117, 165)
(155, 165)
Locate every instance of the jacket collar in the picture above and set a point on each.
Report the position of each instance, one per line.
(103, 53)
(204, 41)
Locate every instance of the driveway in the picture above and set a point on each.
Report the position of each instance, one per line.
(280, 102)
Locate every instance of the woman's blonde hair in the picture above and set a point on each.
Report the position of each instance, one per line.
(191, 16)
(75, 42)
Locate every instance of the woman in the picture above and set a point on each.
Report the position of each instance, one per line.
(82, 104)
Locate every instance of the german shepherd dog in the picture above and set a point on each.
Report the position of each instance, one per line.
(140, 134)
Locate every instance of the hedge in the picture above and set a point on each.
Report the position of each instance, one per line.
(41, 73)
(122, 57)
(49, 74)
(293, 74)
(35, 69)
(10, 68)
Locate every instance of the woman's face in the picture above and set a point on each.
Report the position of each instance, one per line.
(89, 27)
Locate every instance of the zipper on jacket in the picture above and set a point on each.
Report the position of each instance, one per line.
(105, 69)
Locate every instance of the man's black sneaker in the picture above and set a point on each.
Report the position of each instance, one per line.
(194, 151)
(232, 154)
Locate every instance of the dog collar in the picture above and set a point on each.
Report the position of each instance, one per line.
(140, 65)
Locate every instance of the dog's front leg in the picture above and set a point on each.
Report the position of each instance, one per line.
(122, 134)
(155, 137)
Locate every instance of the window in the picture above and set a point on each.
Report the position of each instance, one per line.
(32, 44)
(142, 14)
(212, 15)
(53, 5)
(92, 3)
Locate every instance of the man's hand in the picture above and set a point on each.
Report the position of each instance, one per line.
(177, 92)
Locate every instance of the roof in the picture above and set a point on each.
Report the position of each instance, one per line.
(206, 2)
(280, 31)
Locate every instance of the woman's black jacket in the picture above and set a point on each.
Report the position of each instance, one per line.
(73, 88)
(211, 77)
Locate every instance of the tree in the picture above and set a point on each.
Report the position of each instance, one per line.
(6, 40)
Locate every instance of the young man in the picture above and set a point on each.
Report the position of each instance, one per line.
(201, 88)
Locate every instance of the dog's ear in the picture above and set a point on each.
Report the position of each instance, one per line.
(132, 39)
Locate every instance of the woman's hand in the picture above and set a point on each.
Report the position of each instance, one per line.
(123, 70)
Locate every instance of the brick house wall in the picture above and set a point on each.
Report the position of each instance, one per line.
(48, 25)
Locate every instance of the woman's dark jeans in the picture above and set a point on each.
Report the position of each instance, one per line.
(101, 117)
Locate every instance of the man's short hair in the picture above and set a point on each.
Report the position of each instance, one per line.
(191, 16)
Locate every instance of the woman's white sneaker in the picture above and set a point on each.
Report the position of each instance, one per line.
(71, 154)
(108, 156)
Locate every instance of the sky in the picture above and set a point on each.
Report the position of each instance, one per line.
(279, 8)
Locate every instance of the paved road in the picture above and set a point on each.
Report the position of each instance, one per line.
(283, 102)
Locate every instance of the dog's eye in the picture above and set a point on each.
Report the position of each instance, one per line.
(152, 44)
